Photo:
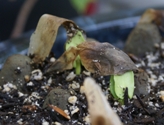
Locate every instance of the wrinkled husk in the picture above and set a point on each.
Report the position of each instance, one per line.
(43, 38)
(104, 59)
(152, 16)
(101, 58)
(100, 110)
(65, 62)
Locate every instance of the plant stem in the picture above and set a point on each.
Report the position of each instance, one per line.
(77, 66)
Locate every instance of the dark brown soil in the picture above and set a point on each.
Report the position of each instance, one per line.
(26, 108)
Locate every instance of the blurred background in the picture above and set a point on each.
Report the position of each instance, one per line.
(19, 16)
(104, 20)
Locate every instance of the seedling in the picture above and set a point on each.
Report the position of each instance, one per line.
(118, 84)
(103, 59)
(75, 38)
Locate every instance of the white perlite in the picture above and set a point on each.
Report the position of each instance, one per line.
(52, 59)
(49, 81)
(75, 85)
(36, 95)
(95, 60)
(20, 121)
(20, 94)
(30, 84)
(75, 111)
(57, 123)
(36, 75)
(72, 99)
(44, 122)
(70, 76)
(162, 45)
(86, 73)
(32, 98)
(66, 111)
(8, 86)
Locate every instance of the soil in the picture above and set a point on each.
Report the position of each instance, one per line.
(26, 108)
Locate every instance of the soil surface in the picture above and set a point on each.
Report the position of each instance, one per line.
(33, 106)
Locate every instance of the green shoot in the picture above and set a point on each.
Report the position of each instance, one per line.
(75, 40)
(118, 83)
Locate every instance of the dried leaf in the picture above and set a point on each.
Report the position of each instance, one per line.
(60, 111)
(65, 62)
(43, 38)
(152, 16)
(104, 58)
(96, 101)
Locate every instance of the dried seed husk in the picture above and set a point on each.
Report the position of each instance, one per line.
(104, 58)
(101, 58)
(96, 101)
(152, 16)
(65, 62)
(43, 38)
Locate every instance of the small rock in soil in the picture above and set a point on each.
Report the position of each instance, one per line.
(57, 97)
(15, 69)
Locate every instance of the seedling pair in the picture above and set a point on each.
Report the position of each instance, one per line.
(101, 58)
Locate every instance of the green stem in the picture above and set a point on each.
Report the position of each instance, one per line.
(78, 66)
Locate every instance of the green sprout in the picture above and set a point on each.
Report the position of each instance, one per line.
(118, 84)
(75, 40)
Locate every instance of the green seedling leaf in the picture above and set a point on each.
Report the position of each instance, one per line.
(112, 85)
(73, 41)
(123, 81)
(112, 90)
